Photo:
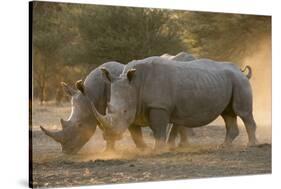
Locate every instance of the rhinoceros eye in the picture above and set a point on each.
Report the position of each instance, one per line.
(125, 111)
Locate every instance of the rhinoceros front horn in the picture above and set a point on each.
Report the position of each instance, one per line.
(57, 136)
(103, 119)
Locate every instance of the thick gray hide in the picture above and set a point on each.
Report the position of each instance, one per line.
(190, 95)
(193, 94)
(97, 89)
(81, 124)
(182, 131)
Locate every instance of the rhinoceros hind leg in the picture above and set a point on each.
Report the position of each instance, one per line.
(242, 105)
(232, 130)
(250, 125)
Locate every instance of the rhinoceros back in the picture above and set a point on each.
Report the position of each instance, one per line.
(194, 93)
(183, 56)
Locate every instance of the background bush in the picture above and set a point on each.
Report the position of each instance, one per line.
(69, 40)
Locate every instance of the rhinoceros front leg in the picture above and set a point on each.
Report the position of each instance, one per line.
(110, 143)
(136, 134)
(158, 121)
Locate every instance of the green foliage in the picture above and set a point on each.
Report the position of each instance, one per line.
(71, 39)
(51, 35)
(123, 34)
(224, 37)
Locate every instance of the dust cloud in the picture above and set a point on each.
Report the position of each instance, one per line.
(260, 62)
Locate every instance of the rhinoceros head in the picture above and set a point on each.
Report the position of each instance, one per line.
(121, 109)
(81, 124)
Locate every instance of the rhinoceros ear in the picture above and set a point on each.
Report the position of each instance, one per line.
(80, 86)
(68, 90)
(106, 74)
(131, 73)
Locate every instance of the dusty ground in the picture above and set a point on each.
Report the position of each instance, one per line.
(91, 166)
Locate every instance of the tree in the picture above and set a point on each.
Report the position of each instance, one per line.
(71, 39)
(225, 37)
(50, 37)
(124, 33)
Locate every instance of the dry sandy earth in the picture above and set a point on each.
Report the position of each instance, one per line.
(91, 166)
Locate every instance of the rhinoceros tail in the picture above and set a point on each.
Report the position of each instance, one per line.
(249, 74)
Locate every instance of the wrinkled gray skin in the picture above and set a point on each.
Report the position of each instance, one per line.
(182, 131)
(157, 91)
(81, 124)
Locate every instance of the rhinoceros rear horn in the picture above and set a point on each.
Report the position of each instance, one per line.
(80, 86)
(68, 90)
(57, 136)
